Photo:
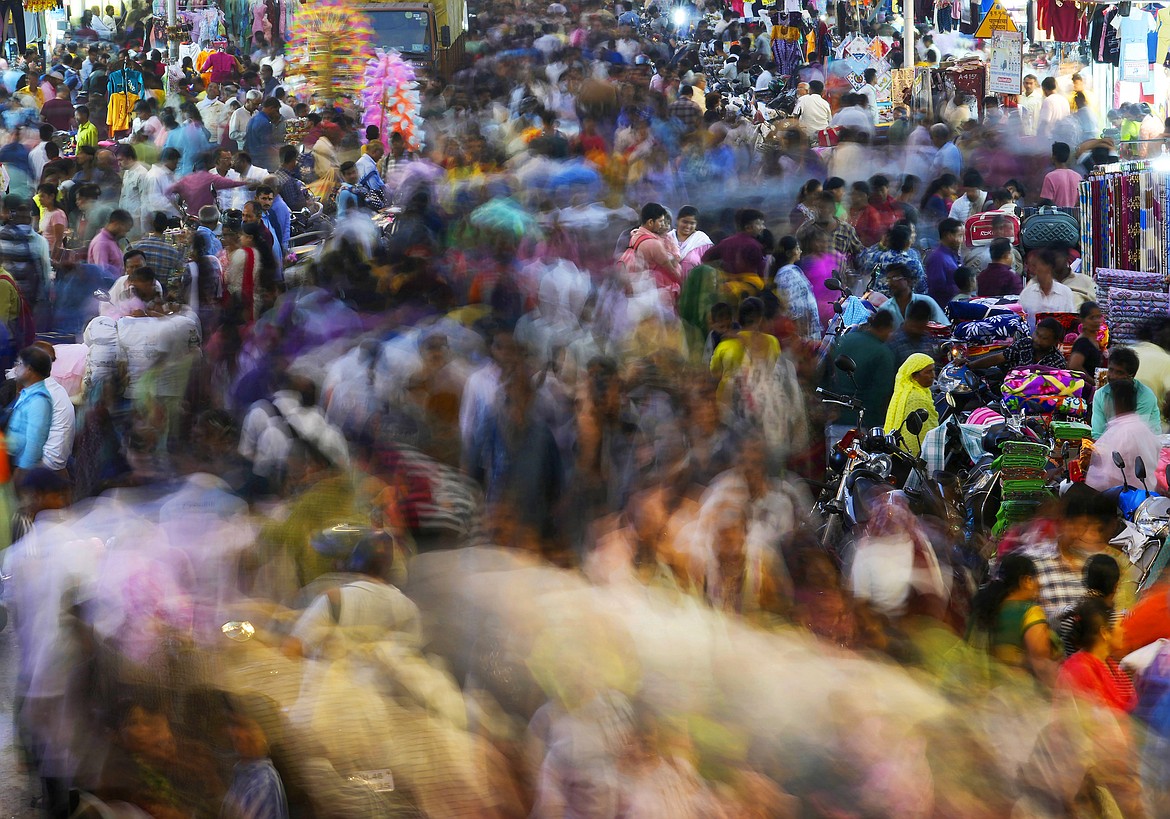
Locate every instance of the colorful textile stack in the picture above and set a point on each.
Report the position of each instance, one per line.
(1110, 277)
(1044, 391)
(1022, 476)
(1127, 309)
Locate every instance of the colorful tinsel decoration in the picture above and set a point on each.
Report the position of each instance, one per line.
(329, 45)
(33, 6)
(390, 97)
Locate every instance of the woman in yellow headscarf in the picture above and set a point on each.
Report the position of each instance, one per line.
(912, 392)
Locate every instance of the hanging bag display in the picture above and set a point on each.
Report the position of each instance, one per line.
(1050, 226)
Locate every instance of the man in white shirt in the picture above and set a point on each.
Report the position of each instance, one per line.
(214, 111)
(287, 114)
(1029, 105)
(238, 124)
(134, 179)
(36, 157)
(59, 444)
(854, 115)
(973, 198)
(248, 172)
(159, 181)
(812, 110)
(869, 91)
(226, 198)
(1053, 111)
(1044, 294)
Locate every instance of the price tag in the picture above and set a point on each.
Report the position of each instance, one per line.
(379, 781)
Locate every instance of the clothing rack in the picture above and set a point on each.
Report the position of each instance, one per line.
(1126, 224)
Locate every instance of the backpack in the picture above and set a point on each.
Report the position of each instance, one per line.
(21, 264)
(24, 327)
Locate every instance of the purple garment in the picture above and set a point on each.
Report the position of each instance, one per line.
(999, 280)
(941, 264)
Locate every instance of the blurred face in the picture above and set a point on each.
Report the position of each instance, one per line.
(248, 738)
(686, 226)
(213, 91)
(1043, 339)
(266, 200)
(915, 329)
(1091, 324)
(350, 176)
(925, 376)
(223, 162)
(1119, 373)
(46, 200)
(755, 228)
(147, 734)
(720, 324)
(251, 214)
(1029, 85)
(899, 285)
(659, 225)
(1042, 271)
(375, 150)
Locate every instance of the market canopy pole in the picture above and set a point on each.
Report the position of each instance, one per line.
(909, 60)
(172, 31)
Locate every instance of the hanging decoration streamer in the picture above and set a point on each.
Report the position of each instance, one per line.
(327, 51)
(390, 97)
(33, 6)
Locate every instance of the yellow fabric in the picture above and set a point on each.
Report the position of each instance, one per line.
(728, 358)
(910, 396)
(119, 111)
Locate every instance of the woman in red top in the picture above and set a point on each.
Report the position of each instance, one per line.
(1091, 672)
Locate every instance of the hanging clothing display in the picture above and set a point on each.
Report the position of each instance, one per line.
(1126, 226)
(1139, 44)
(1060, 19)
(1104, 39)
(123, 87)
(15, 10)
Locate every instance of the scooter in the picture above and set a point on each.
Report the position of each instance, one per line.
(1145, 523)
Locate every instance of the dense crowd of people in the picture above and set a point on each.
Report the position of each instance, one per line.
(347, 479)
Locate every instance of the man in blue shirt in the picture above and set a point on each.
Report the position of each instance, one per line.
(32, 414)
(191, 140)
(278, 219)
(942, 262)
(261, 137)
(347, 197)
(947, 159)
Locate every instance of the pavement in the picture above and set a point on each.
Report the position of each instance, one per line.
(16, 791)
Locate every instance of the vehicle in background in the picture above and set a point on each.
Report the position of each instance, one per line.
(430, 34)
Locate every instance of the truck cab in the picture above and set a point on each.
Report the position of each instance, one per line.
(430, 34)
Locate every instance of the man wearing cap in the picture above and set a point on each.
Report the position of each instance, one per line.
(242, 117)
(208, 223)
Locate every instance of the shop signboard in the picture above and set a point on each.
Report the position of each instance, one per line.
(997, 19)
(1005, 63)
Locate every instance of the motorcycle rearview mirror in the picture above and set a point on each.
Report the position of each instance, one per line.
(845, 364)
(915, 421)
(1119, 462)
(833, 284)
(1139, 469)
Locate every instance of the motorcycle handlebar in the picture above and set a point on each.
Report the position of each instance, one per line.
(840, 399)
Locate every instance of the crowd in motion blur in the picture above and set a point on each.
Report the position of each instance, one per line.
(625, 451)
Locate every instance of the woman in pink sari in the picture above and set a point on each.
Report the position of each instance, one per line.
(819, 265)
(692, 242)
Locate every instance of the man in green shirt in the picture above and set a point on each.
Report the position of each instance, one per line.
(86, 130)
(1123, 366)
(875, 375)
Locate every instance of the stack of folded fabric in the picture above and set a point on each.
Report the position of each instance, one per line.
(1129, 297)
(1072, 431)
(1021, 469)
